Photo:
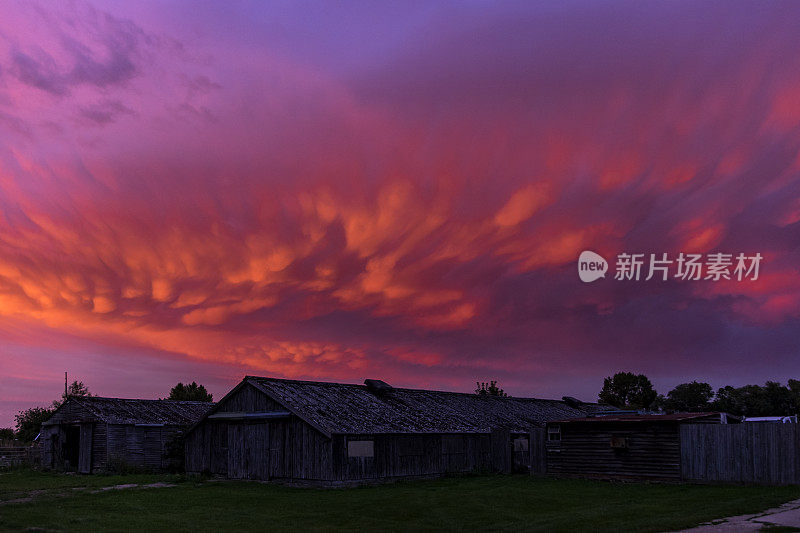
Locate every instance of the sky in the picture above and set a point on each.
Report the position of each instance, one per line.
(393, 190)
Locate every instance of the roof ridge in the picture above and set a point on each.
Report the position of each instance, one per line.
(136, 399)
(408, 389)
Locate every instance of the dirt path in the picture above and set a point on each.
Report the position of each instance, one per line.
(26, 497)
(787, 514)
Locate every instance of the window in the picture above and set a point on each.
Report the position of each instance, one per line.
(520, 444)
(360, 448)
(554, 433)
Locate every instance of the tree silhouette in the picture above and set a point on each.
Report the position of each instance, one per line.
(190, 392)
(628, 390)
(489, 389)
(693, 397)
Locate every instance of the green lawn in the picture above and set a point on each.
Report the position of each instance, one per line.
(491, 503)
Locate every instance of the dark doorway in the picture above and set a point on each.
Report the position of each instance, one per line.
(72, 447)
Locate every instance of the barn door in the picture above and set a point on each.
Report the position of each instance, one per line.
(219, 448)
(237, 456)
(85, 452)
(257, 450)
(276, 447)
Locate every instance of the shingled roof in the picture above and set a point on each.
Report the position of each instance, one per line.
(130, 411)
(353, 409)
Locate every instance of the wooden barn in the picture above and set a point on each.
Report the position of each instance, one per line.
(639, 447)
(304, 430)
(88, 434)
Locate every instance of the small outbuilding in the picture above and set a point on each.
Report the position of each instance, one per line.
(627, 446)
(89, 434)
(269, 428)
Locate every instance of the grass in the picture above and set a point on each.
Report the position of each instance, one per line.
(489, 503)
(21, 481)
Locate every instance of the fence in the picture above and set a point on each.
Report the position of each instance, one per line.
(742, 453)
(19, 455)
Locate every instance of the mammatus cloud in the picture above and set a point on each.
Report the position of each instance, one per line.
(418, 220)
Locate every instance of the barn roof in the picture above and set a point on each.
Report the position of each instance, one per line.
(347, 408)
(131, 411)
(669, 417)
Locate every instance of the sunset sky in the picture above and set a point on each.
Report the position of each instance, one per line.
(394, 190)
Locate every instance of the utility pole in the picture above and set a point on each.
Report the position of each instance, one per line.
(65, 385)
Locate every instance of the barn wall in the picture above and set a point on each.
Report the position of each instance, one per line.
(261, 449)
(653, 451)
(52, 435)
(249, 399)
(198, 448)
(99, 446)
(400, 455)
(144, 447)
(50, 441)
(309, 453)
(116, 448)
(92, 455)
(258, 449)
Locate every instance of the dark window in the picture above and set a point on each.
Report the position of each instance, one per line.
(360, 448)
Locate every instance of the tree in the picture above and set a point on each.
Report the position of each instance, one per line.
(6, 434)
(773, 399)
(794, 391)
(76, 388)
(29, 422)
(489, 389)
(628, 390)
(690, 397)
(190, 392)
(779, 399)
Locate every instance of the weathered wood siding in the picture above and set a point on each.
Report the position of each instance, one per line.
(466, 452)
(249, 399)
(139, 446)
(762, 453)
(538, 451)
(502, 454)
(585, 450)
(99, 446)
(85, 451)
(49, 438)
(53, 437)
(411, 455)
(285, 448)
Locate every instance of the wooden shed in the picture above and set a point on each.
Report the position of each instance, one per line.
(638, 447)
(88, 434)
(305, 430)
